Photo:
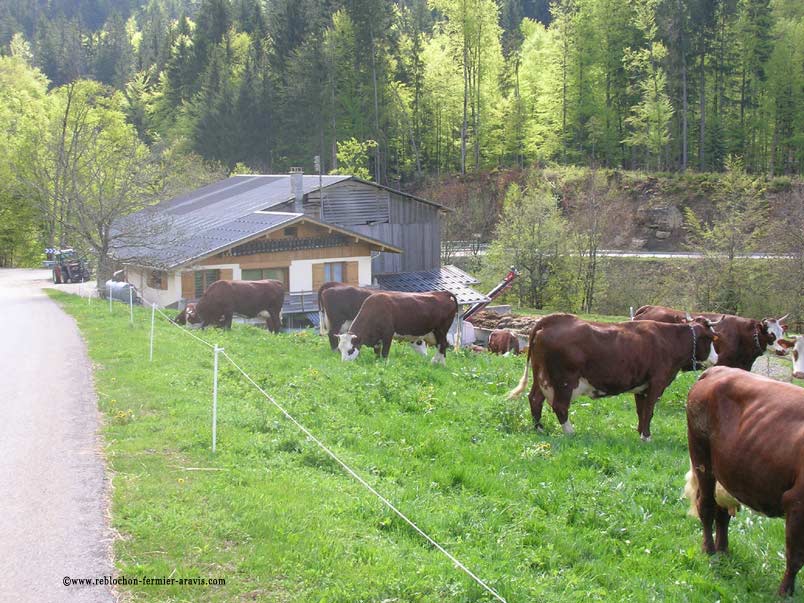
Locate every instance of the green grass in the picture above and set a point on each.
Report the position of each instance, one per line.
(594, 517)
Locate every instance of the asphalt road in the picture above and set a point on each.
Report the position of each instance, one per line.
(53, 489)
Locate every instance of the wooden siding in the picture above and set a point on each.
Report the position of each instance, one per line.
(421, 244)
(350, 203)
(282, 259)
(413, 226)
(188, 284)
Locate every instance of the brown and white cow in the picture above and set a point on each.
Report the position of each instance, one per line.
(408, 316)
(338, 304)
(797, 345)
(503, 341)
(740, 340)
(572, 357)
(746, 442)
(223, 299)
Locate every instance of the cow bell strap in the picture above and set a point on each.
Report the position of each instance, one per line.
(694, 345)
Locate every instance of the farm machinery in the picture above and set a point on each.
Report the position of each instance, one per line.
(67, 266)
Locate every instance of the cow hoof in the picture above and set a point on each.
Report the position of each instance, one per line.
(539, 428)
(568, 428)
(644, 438)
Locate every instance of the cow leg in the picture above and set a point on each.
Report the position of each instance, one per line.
(645, 403)
(440, 356)
(386, 346)
(227, 320)
(536, 399)
(701, 461)
(561, 403)
(793, 503)
(722, 519)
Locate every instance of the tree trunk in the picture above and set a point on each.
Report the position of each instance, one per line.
(377, 171)
(683, 88)
(701, 153)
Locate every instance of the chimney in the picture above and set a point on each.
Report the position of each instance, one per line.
(297, 188)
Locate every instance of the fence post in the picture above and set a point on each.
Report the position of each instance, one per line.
(153, 313)
(131, 305)
(110, 298)
(215, 400)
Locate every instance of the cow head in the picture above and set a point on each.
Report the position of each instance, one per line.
(349, 346)
(705, 339)
(191, 314)
(773, 331)
(797, 345)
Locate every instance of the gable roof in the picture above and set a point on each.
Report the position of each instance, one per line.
(209, 219)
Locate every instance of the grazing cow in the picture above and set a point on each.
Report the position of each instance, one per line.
(740, 340)
(572, 357)
(338, 304)
(413, 317)
(223, 299)
(503, 341)
(746, 443)
(798, 354)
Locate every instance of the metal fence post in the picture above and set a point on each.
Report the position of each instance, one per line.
(215, 400)
(153, 313)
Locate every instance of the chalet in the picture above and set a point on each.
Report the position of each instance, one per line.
(301, 230)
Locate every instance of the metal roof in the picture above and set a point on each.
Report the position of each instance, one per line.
(447, 278)
(213, 218)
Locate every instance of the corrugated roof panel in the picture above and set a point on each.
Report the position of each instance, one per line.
(447, 278)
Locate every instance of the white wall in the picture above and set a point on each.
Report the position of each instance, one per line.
(162, 297)
(301, 272)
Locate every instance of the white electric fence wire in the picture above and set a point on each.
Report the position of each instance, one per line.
(334, 457)
(368, 486)
(183, 330)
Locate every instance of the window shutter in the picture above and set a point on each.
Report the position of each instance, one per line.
(318, 275)
(350, 273)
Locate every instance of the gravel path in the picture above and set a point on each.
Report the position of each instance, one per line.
(53, 490)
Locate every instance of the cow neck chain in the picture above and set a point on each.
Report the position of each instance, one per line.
(694, 344)
(756, 338)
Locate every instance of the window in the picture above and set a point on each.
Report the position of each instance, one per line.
(291, 231)
(203, 279)
(260, 274)
(157, 279)
(334, 271)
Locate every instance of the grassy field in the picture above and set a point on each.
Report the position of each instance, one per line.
(594, 517)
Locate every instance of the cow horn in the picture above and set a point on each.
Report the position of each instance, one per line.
(713, 323)
(688, 316)
(783, 317)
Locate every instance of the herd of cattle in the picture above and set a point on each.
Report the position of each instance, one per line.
(745, 432)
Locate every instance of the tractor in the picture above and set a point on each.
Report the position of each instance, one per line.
(67, 266)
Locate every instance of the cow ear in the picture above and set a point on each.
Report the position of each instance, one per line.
(354, 340)
(786, 343)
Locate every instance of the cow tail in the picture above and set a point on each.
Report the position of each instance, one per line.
(523, 382)
(691, 491)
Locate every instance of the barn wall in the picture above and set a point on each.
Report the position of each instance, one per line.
(421, 245)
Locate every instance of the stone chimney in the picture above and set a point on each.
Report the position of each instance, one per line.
(297, 188)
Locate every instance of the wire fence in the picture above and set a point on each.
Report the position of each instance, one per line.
(351, 472)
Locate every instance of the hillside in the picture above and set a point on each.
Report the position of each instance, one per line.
(645, 210)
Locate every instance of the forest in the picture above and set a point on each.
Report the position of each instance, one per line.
(404, 90)
(550, 128)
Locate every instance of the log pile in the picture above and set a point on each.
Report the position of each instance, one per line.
(515, 322)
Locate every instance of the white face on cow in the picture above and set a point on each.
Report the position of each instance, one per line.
(711, 360)
(774, 326)
(797, 346)
(347, 344)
